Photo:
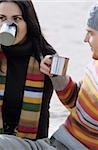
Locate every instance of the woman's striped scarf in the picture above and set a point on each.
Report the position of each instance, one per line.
(32, 99)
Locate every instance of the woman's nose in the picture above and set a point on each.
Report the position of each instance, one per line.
(86, 39)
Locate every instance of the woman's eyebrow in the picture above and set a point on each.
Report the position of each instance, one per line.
(12, 16)
(17, 15)
(2, 15)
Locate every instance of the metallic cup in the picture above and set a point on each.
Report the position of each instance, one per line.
(8, 33)
(59, 65)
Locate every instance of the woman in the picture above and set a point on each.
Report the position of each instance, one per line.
(25, 92)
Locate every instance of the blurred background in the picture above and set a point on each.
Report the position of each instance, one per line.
(63, 24)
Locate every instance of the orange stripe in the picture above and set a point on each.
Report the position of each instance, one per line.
(76, 117)
(67, 91)
(69, 85)
(83, 137)
(2, 86)
(90, 85)
(23, 135)
(85, 102)
(66, 95)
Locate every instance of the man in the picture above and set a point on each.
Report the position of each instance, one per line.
(80, 131)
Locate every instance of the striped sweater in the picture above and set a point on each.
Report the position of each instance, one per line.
(82, 123)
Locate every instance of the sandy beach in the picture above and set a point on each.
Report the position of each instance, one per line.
(63, 24)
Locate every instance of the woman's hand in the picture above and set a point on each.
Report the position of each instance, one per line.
(46, 64)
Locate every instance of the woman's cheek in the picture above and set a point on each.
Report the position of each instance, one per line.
(21, 34)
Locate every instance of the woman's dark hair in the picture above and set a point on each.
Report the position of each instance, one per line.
(33, 26)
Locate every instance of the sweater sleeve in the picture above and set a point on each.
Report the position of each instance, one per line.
(66, 90)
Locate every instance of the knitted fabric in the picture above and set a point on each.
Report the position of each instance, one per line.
(82, 122)
(32, 99)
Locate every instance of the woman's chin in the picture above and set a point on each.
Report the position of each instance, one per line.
(17, 41)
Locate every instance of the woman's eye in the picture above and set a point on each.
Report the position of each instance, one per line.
(17, 19)
(2, 18)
